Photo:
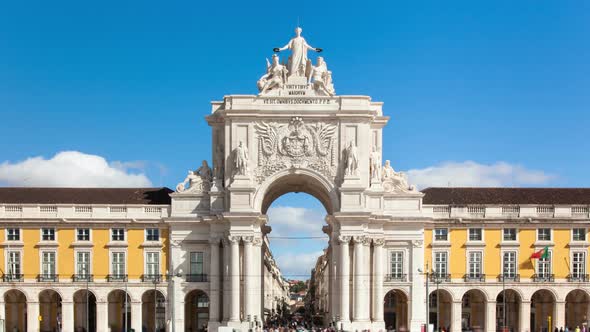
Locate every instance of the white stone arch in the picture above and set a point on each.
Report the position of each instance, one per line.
(447, 290)
(400, 289)
(22, 290)
(481, 290)
(130, 292)
(516, 290)
(60, 293)
(90, 290)
(551, 290)
(297, 180)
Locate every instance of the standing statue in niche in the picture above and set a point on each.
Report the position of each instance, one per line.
(241, 159)
(351, 160)
(198, 181)
(375, 163)
(322, 78)
(298, 59)
(275, 77)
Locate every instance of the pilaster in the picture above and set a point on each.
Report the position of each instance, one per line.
(234, 315)
(214, 280)
(102, 316)
(525, 314)
(32, 316)
(378, 295)
(491, 316)
(559, 320)
(67, 316)
(418, 290)
(136, 319)
(456, 316)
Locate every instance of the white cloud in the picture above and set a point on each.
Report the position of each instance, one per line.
(298, 265)
(472, 174)
(286, 220)
(72, 169)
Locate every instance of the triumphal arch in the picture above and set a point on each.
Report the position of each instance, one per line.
(295, 135)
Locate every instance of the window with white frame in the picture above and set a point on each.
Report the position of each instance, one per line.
(475, 234)
(544, 234)
(509, 234)
(397, 264)
(440, 264)
(48, 234)
(579, 234)
(48, 264)
(14, 264)
(117, 234)
(13, 234)
(118, 263)
(475, 264)
(578, 264)
(152, 234)
(196, 263)
(83, 234)
(544, 266)
(83, 264)
(152, 263)
(509, 264)
(441, 234)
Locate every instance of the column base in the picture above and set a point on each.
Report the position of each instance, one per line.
(379, 325)
(416, 325)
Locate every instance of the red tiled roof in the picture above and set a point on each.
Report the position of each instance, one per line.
(465, 196)
(142, 196)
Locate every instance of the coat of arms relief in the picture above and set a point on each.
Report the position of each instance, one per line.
(296, 144)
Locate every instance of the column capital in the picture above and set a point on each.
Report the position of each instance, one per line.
(378, 242)
(234, 239)
(417, 243)
(359, 239)
(257, 241)
(214, 240)
(343, 239)
(247, 239)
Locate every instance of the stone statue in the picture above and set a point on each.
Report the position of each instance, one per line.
(299, 47)
(275, 77)
(352, 160)
(198, 181)
(395, 181)
(375, 163)
(322, 78)
(241, 159)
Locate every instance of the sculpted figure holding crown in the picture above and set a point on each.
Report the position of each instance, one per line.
(299, 48)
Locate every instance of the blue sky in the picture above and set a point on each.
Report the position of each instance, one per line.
(479, 93)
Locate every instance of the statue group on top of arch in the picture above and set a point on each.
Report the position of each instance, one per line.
(297, 71)
(197, 181)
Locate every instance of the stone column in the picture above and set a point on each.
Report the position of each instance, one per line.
(258, 277)
(344, 278)
(226, 278)
(378, 295)
(33, 316)
(234, 314)
(214, 280)
(559, 314)
(456, 316)
(334, 293)
(525, 316)
(3, 309)
(248, 278)
(418, 308)
(365, 281)
(102, 316)
(359, 261)
(491, 316)
(67, 316)
(136, 319)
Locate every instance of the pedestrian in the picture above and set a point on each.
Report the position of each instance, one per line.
(577, 328)
(567, 329)
(561, 329)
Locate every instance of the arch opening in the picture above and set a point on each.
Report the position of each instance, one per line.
(473, 310)
(441, 304)
(577, 308)
(15, 310)
(153, 311)
(395, 311)
(50, 310)
(508, 309)
(84, 311)
(196, 311)
(542, 306)
(119, 310)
